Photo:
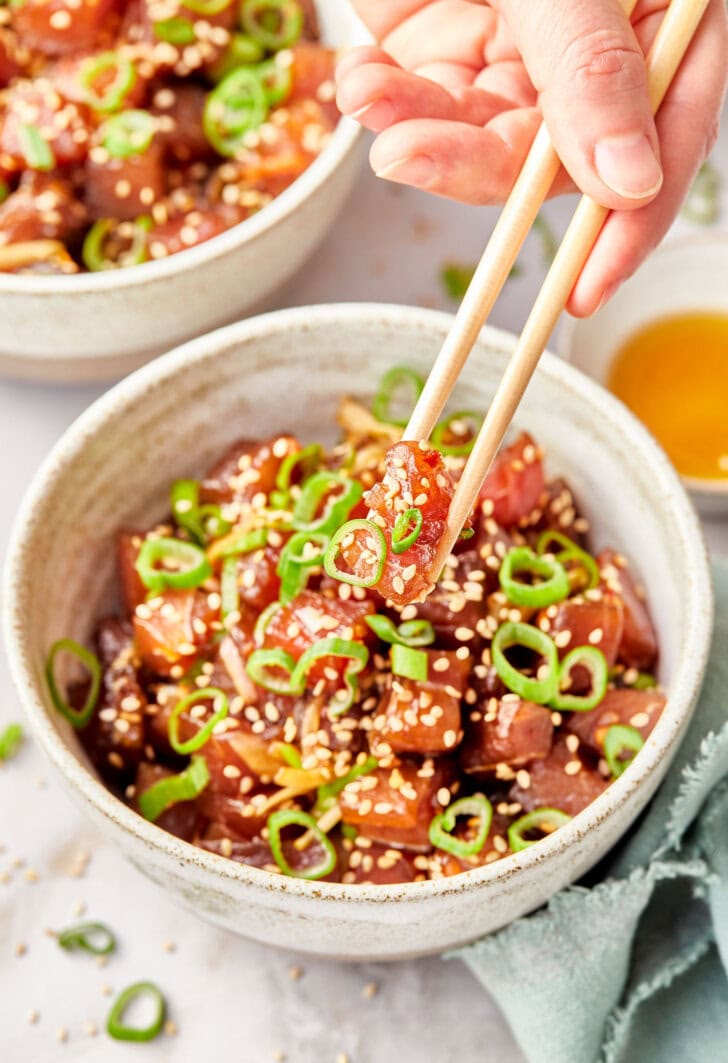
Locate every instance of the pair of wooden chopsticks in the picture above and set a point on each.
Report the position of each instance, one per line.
(676, 31)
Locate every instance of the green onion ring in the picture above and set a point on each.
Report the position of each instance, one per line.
(78, 718)
(356, 652)
(401, 538)
(261, 662)
(294, 817)
(192, 745)
(10, 740)
(174, 788)
(236, 106)
(307, 458)
(241, 51)
(313, 490)
(409, 663)
(289, 754)
(261, 624)
(396, 378)
(294, 568)
(540, 818)
(570, 552)
(92, 251)
(644, 681)
(196, 568)
(277, 81)
(443, 825)
(411, 633)
(229, 593)
(288, 14)
(201, 522)
(441, 430)
(82, 937)
(129, 133)
(115, 1023)
(595, 662)
(114, 94)
(207, 8)
(326, 795)
(553, 588)
(35, 149)
(331, 567)
(541, 691)
(177, 31)
(620, 737)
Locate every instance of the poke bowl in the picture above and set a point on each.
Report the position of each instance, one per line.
(406, 870)
(164, 169)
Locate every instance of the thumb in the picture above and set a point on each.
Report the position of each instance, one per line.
(589, 70)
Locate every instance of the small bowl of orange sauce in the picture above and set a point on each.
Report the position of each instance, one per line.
(661, 346)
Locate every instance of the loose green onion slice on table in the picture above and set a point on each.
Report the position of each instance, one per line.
(302, 552)
(95, 938)
(119, 1030)
(338, 506)
(373, 548)
(275, 24)
(409, 663)
(618, 740)
(290, 817)
(554, 581)
(277, 80)
(399, 390)
(100, 93)
(178, 31)
(192, 567)
(94, 256)
(201, 522)
(220, 705)
(478, 807)
(35, 149)
(185, 786)
(78, 718)
(595, 662)
(10, 740)
(540, 688)
(327, 794)
(455, 435)
(307, 458)
(410, 633)
(406, 530)
(237, 105)
(129, 133)
(569, 551)
(241, 51)
(545, 820)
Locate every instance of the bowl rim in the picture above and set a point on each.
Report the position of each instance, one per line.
(685, 684)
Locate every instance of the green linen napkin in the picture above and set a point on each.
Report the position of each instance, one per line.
(633, 969)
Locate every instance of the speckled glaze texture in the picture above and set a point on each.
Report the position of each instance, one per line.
(287, 371)
(98, 326)
(683, 276)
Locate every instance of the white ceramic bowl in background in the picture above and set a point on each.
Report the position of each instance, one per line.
(684, 276)
(97, 326)
(287, 371)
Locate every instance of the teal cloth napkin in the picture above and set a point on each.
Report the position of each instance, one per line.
(633, 969)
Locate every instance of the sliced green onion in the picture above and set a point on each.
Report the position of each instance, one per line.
(296, 562)
(192, 745)
(540, 690)
(451, 428)
(293, 817)
(378, 559)
(115, 1026)
(93, 245)
(201, 522)
(338, 508)
(128, 133)
(595, 662)
(702, 205)
(111, 98)
(466, 533)
(277, 80)
(406, 530)
(411, 633)
(87, 937)
(35, 149)
(236, 106)
(644, 681)
(289, 754)
(409, 663)
(244, 543)
(229, 594)
(4, 190)
(546, 820)
(570, 552)
(261, 663)
(618, 739)
(174, 788)
(177, 31)
(358, 656)
(396, 380)
(193, 567)
(554, 585)
(261, 624)
(442, 826)
(241, 51)
(10, 741)
(206, 8)
(308, 459)
(327, 794)
(78, 718)
(549, 242)
(275, 24)
(456, 279)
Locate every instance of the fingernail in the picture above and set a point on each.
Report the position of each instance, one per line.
(375, 116)
(418, 170)
(610, 291)
(628, 165)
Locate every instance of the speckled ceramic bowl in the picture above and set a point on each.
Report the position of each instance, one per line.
(287, 371)
(98, 326)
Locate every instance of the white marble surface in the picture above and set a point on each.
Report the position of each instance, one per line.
(229, 998)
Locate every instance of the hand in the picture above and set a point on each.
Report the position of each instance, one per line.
(457, 90)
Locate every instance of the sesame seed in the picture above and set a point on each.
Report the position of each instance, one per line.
(523, 779)
(573, 767)
(90, 1029)
(449, 739)
(170, 1028)
(596, 636)
(572, 743)
(21, 948)
(295, 973)
(33, 1017)
(60, 20)
(640, 719)
(62, 1034)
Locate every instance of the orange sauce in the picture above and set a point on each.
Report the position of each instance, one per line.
(674, 375)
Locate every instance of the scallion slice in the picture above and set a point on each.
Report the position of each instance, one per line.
(554, 585)
(185, 786)
(201, 522)
(442, 826)
(327, 794)
(35, 149)
(620, 739)
(78, 718)
(307, 458)
(95, 938)
(237, 105)
(545, 820)
(540, 689)
(411, 633)
(464, 426)
(395, 381)
(193, 568)
(409, 663)
(177, 31)
(406, 530)
(375, 554)
(129, 133)
(569, 551)
(358, 656)
(113, 94)
(10, 741)
(92, 252)
(277, 80)
(275, 24)
(595, 662)
(192, 745)
(302, 552)
(338, 507)
(115, 1026)
(241, 51)
(294, 817)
